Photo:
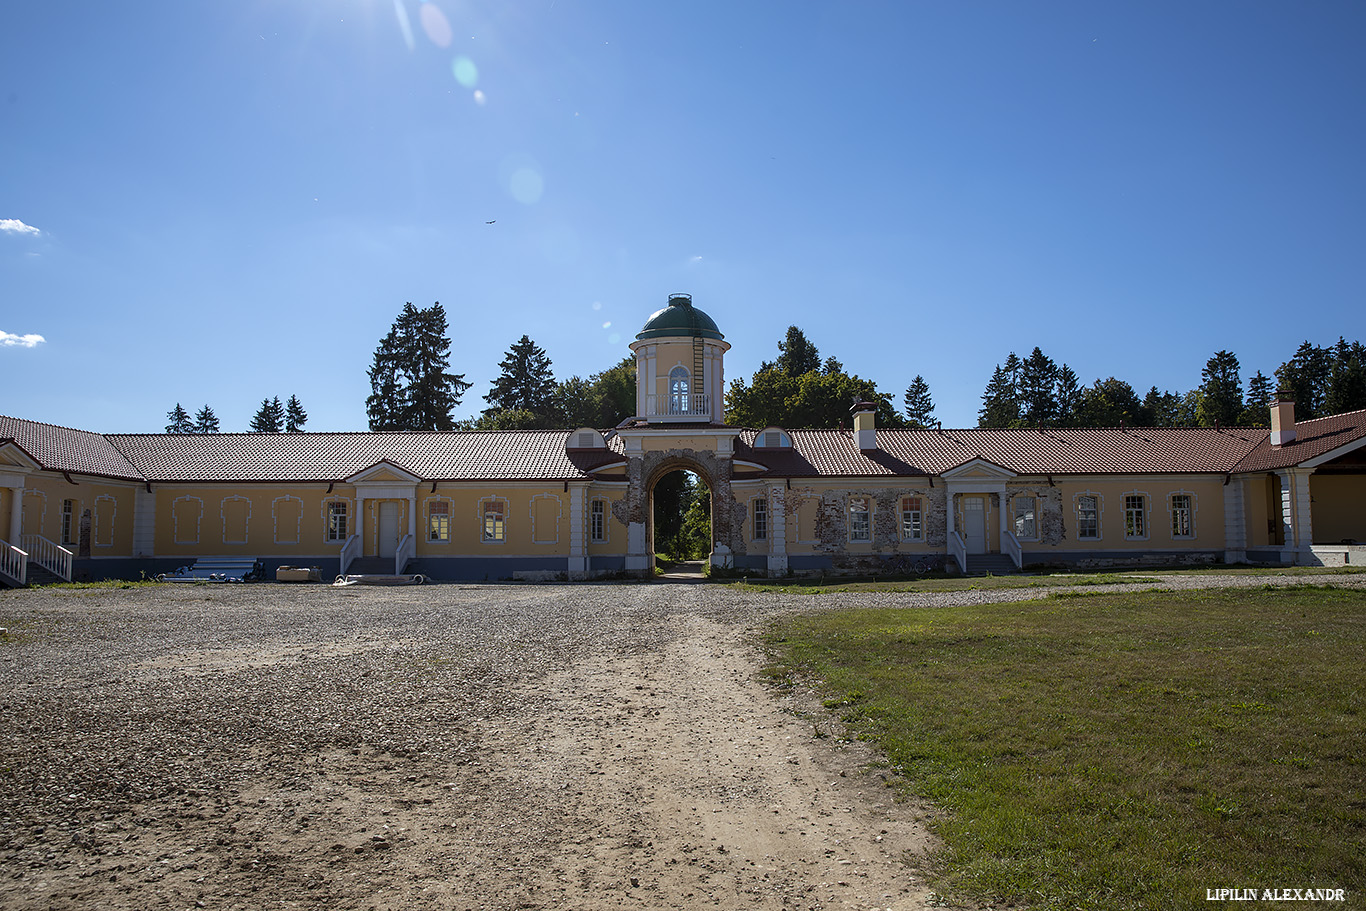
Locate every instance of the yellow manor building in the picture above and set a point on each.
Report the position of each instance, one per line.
(577, 504)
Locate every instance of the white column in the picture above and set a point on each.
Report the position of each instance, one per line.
(1005, 526)
(358, 528)
(777, 530)
(16, 515)
(144, 522)
(578, 557)
(1295, 515)
(412, 515)
(948, 513)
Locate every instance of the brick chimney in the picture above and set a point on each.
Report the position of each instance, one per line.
(1282, 419)
(865, 427)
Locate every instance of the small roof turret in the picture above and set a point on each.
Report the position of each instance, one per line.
(679, 320)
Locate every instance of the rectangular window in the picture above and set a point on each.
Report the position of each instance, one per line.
(494, 527)
(1135, 516)
(597, 520)
(860, 528)
(760, 519)
(1088, 518)
(68, 519)
(336, 520)
(438, 521)
(1182, 515)
(912, 519)
(1025, 526)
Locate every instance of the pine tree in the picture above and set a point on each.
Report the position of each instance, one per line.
(1161, 409)
(1347, 379)
(179, 420)
(1000, 401)
(205, 421)
(1038, 389)
(1257, 405)
(919, 405)
(269, 418)
(1305, 376)
(295, 416)
(410, 386)
(797, 355)
(1221, 393)
(526, 383)
(1069, 396)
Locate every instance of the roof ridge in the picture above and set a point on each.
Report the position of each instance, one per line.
(53, 426)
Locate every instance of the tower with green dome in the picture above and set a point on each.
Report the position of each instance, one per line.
(679, 366)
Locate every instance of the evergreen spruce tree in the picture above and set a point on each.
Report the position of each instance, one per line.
(1109, 403)
(1000, 401)
(1161, 409)
(295, 416)
(205, 421)
(179, 420)
(1346, 379)
(1306, 376)
(797, 355)
(919, 405)
(1221, 393)
(411, 387)
(526, 383)
(1257, 405)
(269, 418)
(1069, 396)
(1038, 390)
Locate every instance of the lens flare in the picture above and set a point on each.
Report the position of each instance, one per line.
(466, 73)
(479, 98)
(526, 186)
(436, 25)
(597, 305)
(607, 325)
(404, 25)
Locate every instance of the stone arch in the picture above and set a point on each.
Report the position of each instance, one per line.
(644, 471)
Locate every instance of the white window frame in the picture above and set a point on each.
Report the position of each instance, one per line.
(1172, 512)
(68, 523)
(860, 513)
(1136, 525)
(597, 521)
(1099, 512)
(439, 523)
(913, 519)
(680, 389)
(1033, 516)
(759, 530)
(336, 531)
(493, 527)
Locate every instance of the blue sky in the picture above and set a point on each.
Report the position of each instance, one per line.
(218, 202)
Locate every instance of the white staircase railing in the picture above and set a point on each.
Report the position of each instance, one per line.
(350, 551)
(407, 549)
(50, 555)
(1011, 545)
(13, 562)
(958, 549)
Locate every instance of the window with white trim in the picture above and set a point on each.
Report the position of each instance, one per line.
(597, 521)
(1183, 515)
(68, 521)
(336, 520)
(1088, 518)
(439, 520)
(1135, 516)
(679, 387)
(1026, 521)
(495, 525)
(860, 524)
(912, 519)
(760, 519)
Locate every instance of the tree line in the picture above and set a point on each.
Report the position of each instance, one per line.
(271, 417)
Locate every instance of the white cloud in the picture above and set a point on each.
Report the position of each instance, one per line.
(15, 226)
(9, 340)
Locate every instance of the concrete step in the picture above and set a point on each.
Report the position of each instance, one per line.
(996, 564)
(39, 575)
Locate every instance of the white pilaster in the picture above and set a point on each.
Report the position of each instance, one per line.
(16, 514)
(578, 558)
(144, 522)
(636, 557)
(777, 530)
(1235, 522)
(1295, 515)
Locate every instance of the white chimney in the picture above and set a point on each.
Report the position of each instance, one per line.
(865, 427)
(1282, 419)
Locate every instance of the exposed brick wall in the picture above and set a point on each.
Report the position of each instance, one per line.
(832, 530)
(642, 471)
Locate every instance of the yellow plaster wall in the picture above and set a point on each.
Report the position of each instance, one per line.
(665, 442)
(551, 536)
(669, 354)
(282, 520)
(1208, 505)
(1339, 508)
(110, 505)
(616, 530)
(1257, 501)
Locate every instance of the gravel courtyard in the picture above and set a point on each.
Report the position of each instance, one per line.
(503, 747)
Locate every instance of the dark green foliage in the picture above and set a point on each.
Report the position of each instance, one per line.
(1162, 409)
(1109, 403)
(411, 388)
(1038, 390)
(1305, 377)
(796, 355)
(295, 416)
(919, 405)
(1000, 401)
(1221, 391)
(1347, 378)
(526, 384)
(179, 420)
(682, 517)
(812, 400)
(269, 418)
(1068, 396)
(205, 421)
(1257, 404)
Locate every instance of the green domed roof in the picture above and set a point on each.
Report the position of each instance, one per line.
(680, 320)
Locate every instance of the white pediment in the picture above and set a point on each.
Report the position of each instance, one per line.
(978, 469)
(13, 456)
(383, 471)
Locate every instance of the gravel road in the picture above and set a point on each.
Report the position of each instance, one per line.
(451, 747)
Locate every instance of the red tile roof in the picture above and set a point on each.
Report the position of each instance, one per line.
(64, 449)
(835, 453)
(502, 455)
(1313, 438)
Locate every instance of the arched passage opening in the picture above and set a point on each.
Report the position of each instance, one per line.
(679, 516)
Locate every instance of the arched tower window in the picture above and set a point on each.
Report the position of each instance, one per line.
(679, 387)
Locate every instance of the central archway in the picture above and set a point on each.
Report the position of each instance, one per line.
(644, 470)
(679, 530)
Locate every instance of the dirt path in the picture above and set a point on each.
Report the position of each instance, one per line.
(300, 750)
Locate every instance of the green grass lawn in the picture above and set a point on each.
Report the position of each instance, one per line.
(1115, 751)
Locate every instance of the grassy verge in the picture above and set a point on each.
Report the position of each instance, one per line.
(937, 582)
(1119, 751)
